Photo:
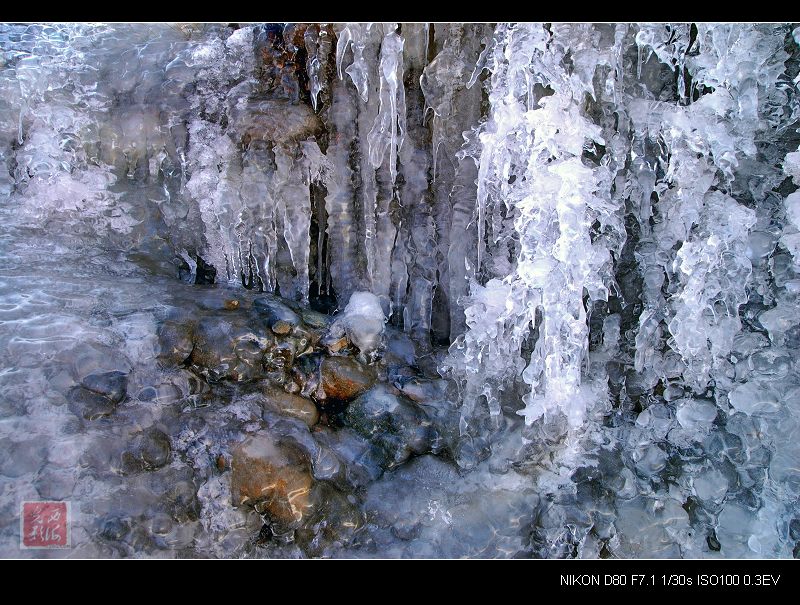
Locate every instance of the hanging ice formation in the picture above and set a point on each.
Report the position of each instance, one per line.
(547, 220)
(477, 181)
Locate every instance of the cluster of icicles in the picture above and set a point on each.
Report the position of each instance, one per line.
(476, 178)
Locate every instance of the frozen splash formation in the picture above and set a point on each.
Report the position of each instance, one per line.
(459, 289)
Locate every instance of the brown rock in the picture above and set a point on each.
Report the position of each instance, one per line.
(273, 478)
(281, 328)
(291, 405)
(344, 378)
(338, 345)
(232, 304)
(175, 341)
(222, 464)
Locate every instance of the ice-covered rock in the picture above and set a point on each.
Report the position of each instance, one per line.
(149, 450)
(396, 425)
(753, 398)
(269, 475)
(92, 405)
(363, 321)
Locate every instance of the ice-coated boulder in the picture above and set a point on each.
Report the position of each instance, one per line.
(273, 477)
(363, 321)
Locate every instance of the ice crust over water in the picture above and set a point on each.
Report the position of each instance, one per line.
(601, 221)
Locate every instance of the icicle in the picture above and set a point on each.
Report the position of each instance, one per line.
(293, 195)
(438, 83)
(712, 228)
(20, 135)
(369, 192)
(316, 169)
(192, 265)
(318, 46)
(391, 119)
(416, 197)
(456, 110)
(342, 245)
(530, 160)
(480, 64)
(257, 192)
(215, 171)
(639, 61)
(354, 35)
(322, 284)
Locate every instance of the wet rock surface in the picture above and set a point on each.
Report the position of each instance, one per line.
(271, 478)
(344, 378)
(315, 422)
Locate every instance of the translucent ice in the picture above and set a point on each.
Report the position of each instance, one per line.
(363, 320)
(389, 127)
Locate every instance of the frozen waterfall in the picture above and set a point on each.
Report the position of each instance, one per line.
(589, 233)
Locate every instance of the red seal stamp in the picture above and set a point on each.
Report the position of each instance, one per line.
(44, 525)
